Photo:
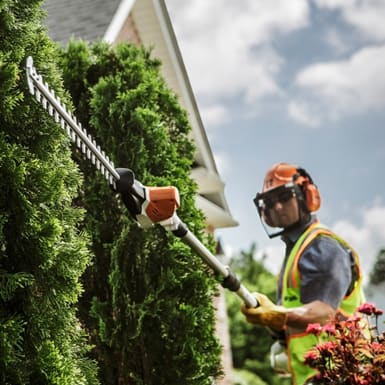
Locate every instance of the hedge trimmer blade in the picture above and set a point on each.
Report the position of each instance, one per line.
(147, 205)
(84, 142)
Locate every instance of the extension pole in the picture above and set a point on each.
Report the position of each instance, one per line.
(230, 280)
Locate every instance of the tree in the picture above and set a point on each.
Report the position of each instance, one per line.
(148, 297)
(377, 275)
(250, 344)
(42, 252)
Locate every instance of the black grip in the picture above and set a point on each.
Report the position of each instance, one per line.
(126, 180)
(131, 191)
(231, 282)
(181, 230)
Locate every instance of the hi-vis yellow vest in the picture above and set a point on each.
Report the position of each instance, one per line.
(298, 341)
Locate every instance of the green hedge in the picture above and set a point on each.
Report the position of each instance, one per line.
(42, 252)
(147, 303)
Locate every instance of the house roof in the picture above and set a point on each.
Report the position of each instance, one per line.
(85, 19)
(147, 22)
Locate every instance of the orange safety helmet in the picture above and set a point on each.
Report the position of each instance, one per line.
(283, 173)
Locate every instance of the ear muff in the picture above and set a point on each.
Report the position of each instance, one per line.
(310, 190)
(312, 196)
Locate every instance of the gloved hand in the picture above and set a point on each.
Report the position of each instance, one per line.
(266, 313)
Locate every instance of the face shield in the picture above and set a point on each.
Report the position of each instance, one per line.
(273, 222)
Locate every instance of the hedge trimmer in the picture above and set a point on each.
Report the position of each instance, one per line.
(147, 205)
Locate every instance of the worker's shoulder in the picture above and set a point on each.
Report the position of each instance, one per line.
(326, 240)
(324, 251)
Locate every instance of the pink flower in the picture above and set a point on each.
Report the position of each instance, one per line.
(311, 358)
(367, 308)
(377, 347)
(327, 348)
(314, 329)
(329, 329)
(349, 354)
(378, 312)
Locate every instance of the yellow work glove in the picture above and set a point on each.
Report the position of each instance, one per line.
(266, 313)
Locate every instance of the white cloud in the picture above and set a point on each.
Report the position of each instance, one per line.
(367, 238)
(275, 253)
(332, 4)
(335, 40)
(228, 51)
(225, 46)
(366, 16)
(300, 112)
(214, 115)
(343, 87)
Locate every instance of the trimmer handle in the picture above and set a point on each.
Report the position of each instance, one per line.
(147, 205)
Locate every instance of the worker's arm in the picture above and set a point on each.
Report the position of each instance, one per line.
(313, 312)
(277, 317)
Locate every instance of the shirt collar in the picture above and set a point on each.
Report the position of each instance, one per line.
(291, 236)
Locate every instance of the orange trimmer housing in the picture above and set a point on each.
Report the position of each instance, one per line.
(162, 202)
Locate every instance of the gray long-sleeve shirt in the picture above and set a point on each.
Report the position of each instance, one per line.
(325, 267)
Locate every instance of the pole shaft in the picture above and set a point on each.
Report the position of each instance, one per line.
(190, 239)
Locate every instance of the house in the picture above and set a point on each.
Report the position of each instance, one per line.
(147, 22)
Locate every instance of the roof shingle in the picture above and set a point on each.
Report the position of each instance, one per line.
(86, 19)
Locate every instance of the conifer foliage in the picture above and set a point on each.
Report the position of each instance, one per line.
(147, 303)
(377, 274)
(42, 252)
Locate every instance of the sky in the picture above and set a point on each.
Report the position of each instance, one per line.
(300, 81)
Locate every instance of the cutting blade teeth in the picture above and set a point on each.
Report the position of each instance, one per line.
(68, 122)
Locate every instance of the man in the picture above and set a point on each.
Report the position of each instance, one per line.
(320, 274)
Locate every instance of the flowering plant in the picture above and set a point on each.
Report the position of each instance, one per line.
(350, 351)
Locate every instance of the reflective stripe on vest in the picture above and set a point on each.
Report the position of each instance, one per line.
(298, 341)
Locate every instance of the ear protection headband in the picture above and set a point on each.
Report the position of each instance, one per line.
(310, 190)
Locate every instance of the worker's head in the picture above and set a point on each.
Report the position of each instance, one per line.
(288, 197)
